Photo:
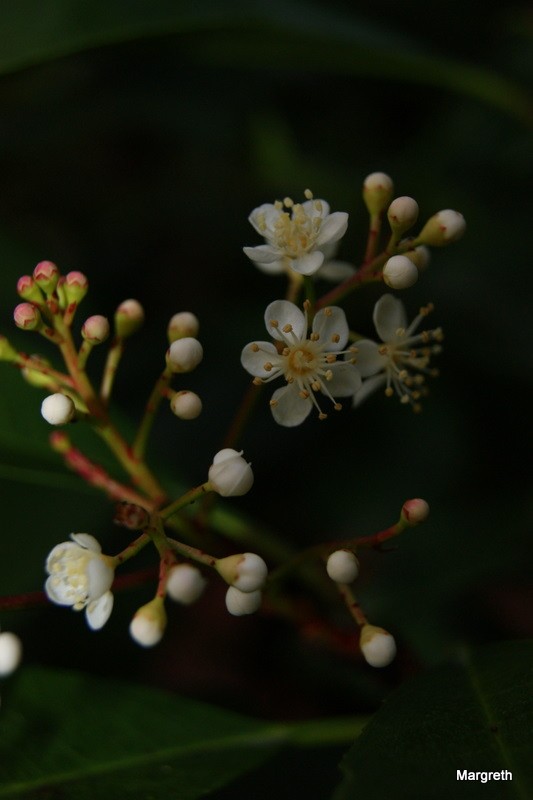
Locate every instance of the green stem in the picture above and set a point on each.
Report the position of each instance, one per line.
(132, 549)
(113, 359)
(184, 500)
(139, 444)
(352, 604)
(192, 552)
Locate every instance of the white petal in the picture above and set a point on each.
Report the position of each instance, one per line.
(308, 264)
(98, 611)
(389, 315)
(264, 253)
(368, 358)
(254, 360)
(285, 313)
(333, 228)
(346, 380)
(59, 592)
(86, 541)
(57, 553)
(267, 213)
(335, 271)
(369, 387)
(100, 577)
(271, 268)
(330, 323)
(311, 210)
(290, 408)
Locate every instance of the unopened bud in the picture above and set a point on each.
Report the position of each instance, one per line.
(33, 376)
(46, 276)
(148, 625)
(402, 214)
(28, 289)
(186, 405)
(443, 228)
(184, 355)
(230, 474)
(10, 653)
(400, 273)
(420, 256)
(7, 351)
(129, 317)
(75, 286)
(415, 511)
(241, 603)
(342, 566)
(378, 189)
(95, 329)
(185, 584)
(27, 316)
(185, 323)
(378, 646)
(58, 409)
(246, 571)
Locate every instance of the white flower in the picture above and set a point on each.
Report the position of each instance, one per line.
(401, 362)
(308, 364)
(295, 234)
(81, 577)
(10, 653)
(230, 475)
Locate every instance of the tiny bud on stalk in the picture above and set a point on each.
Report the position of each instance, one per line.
(184, 355)
(229, 474)
(28, 289)
(400, 272)
(246, 571)
(377, 646)
(148, 625)
(443, 228)
(186, 405)
(342, 566)
(415, 511)
(58, 409)
(239, 604)
(95, 329)
(10, 653)
(46, 276)
(420, 256)
(402, 214)
(378, 189)
(27, 317)
(129, 317)
(185, 323)
(185, 584)
(75, 286)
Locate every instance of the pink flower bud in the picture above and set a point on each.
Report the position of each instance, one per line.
(75, 286)
(415, 511)
(95, 329)
(27, 316)
(129, 317)
(28, 289)
(46, 275)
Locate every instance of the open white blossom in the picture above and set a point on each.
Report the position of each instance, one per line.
(81, 576)
(401, 362)
(309, 364)
(295, 234)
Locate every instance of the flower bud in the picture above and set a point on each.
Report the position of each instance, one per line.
(443, 228)
(46, 276)
(58, 409)
(241, 603)
(27, 316)
(95, 329)
(10, 653)
(185, 354)
(377, 192)
(402, 214)
(75, 286)
(415, 511)
(342, 566)
(246, 571)
(185, 584)
(129, 317)
(400, 273)
(33, 376)
(229, 474)
(378, 646)
(148, 625)
(186, 405)
(28, 289)
(7, 351)
(185, 323)
(420, 256)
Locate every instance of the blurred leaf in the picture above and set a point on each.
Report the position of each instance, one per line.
(80, 737)
(288, 35)
(476, 714)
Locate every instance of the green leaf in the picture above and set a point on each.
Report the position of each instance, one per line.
(253, 34)
(476, 714)
(79, 737)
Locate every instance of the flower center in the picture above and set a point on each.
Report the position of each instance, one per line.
(301, 360)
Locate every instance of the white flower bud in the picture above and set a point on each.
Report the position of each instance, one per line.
(229, 474)
(342, 566)
(185, 323)
(58, 409)
(378, 646)
(415, 511)
(95, 329)
(420, 256)
(241, 603)
(148, 625)
(400, 273)
(129, 317)
(185, 584)
(10, 653)
(377, 192)
(443, 228)
(246, 571)
(402, 214)
(185, 354)
(186, 405)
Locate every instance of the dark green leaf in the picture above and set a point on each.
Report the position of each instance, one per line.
(474, 715)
